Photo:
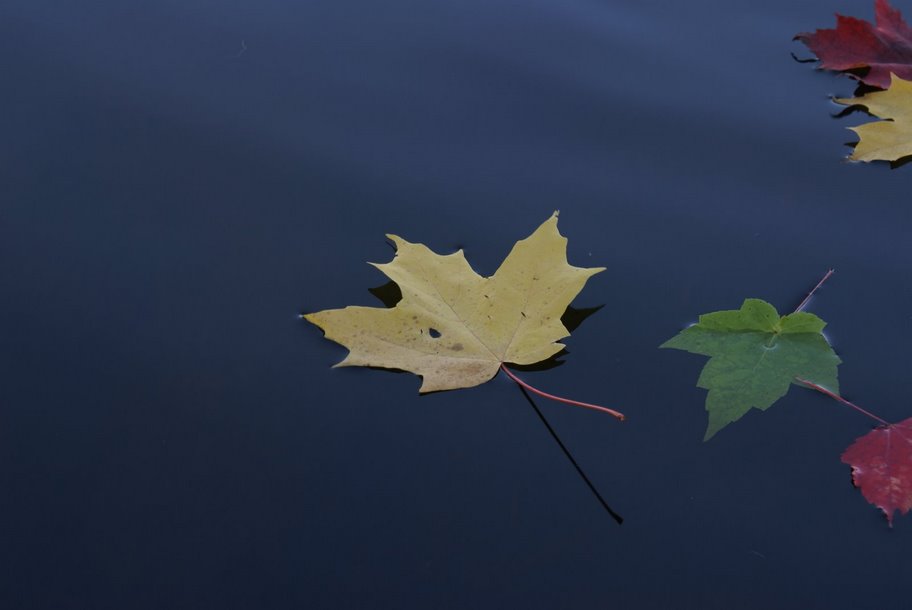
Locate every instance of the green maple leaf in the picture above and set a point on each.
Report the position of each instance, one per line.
(754, 356)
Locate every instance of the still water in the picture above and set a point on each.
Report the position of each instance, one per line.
(178, 180)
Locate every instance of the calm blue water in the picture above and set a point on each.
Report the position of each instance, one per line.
(178, 180)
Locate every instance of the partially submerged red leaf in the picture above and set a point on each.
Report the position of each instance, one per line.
(884, 48)
(881, 462)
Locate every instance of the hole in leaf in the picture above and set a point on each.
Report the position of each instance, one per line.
(433, 332)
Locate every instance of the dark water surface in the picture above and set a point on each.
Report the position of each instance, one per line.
(179, 179)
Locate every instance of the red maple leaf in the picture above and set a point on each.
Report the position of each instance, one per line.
(884, 48)
(881, 462)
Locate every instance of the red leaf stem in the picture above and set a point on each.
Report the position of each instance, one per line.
(813, 290)
(822, 389)
(567, 401)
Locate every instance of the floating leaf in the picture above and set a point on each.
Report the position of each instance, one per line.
(455, 328)
(857, 44)
(881, 462)
(754, 356)
(890, 139)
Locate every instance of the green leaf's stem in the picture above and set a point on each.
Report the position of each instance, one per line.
(568, 401)
(811, 293)
(822, 389)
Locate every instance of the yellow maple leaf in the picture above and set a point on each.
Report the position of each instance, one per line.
(456, 328)
(890, 139)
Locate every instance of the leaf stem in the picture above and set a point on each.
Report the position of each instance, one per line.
(822, 389)
(813, 290)
(579, 469)
(568, 401)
